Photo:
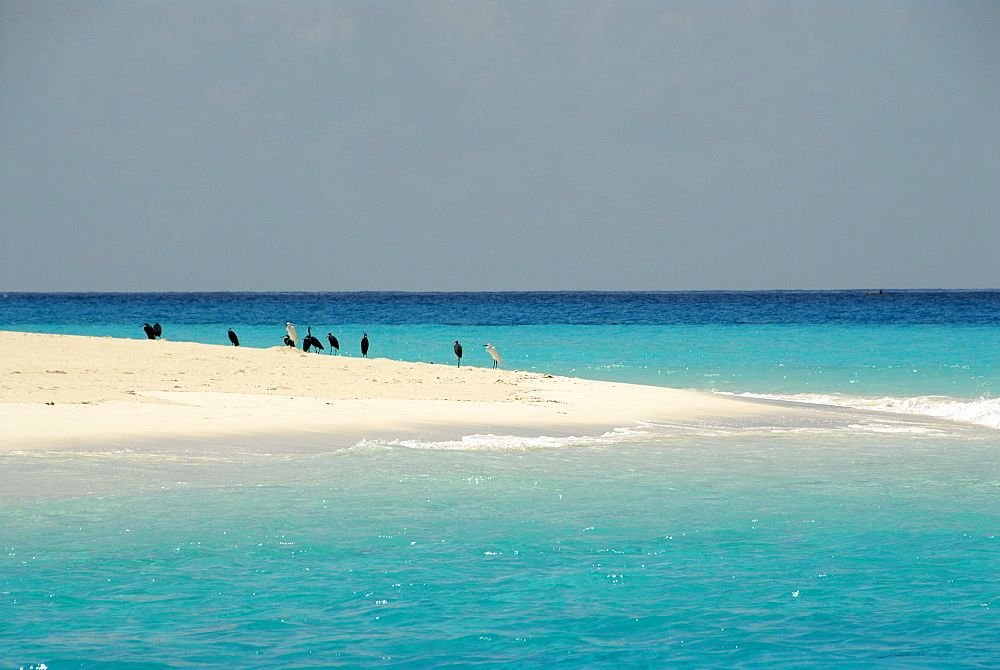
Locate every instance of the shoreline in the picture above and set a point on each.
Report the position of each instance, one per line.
(61, 391)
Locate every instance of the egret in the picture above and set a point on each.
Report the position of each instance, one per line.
(150, 333)
(364, 345)
(157, 330)
(494, 353)
(458, 352)
(290, 327)
(334, 344)
(232, 338)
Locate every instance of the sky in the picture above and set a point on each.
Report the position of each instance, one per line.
(179, 145)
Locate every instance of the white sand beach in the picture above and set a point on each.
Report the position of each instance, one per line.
(58, 391)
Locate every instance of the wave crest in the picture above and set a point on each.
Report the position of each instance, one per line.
(490, 442)
(980, 411)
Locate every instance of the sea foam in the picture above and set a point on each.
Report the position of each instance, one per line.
(980, 411)
(490, 442)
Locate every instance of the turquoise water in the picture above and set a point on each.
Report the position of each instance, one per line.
(899, 348)
(859, 539)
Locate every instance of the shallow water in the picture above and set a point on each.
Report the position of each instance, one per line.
(771, 550)
(854, 539)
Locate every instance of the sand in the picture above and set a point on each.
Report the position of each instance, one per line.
(61, 391)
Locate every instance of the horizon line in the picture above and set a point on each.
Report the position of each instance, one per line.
(875, 291)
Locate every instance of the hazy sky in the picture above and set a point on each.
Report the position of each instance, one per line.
(393, 145)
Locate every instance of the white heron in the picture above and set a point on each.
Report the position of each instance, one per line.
(290, 327)
(492, 351)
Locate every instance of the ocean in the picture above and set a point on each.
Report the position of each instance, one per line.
(868, 540)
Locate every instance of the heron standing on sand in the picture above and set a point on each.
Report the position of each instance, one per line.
(232, 338)
(334, 344)
(157, 330)
(290, 327)
(458, 352)
(311, 341)
(289, 342)
(150, 333)
(364, 345)
(494, 353)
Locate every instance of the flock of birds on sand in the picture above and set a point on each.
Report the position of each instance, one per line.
(310, 341)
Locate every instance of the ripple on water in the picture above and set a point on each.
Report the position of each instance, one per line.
(755, 552)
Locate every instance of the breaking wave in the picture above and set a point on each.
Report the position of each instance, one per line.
(981, 411)
(490, 442)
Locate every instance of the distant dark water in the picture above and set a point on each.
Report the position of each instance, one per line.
(509, 309)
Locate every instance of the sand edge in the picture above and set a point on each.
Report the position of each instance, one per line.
(60, 390)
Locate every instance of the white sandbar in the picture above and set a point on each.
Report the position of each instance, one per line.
(57, 391)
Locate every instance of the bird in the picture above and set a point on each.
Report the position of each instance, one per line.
(311, 341)
(458, 352)
(334, 344)
(494, 353)
(289, 342)
(364, 345)
(157, 330)
(150, 333)
(232, 338)
(290, 327)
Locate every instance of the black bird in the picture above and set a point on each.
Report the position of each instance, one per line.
(311, 341)
(150, 333)
(334, 344)
(157, 330)
(289, 342)
(364, 345)
(232, 338)
(458, 352)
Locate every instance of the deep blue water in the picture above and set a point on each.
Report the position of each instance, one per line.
(909, 307)
(868, 540)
